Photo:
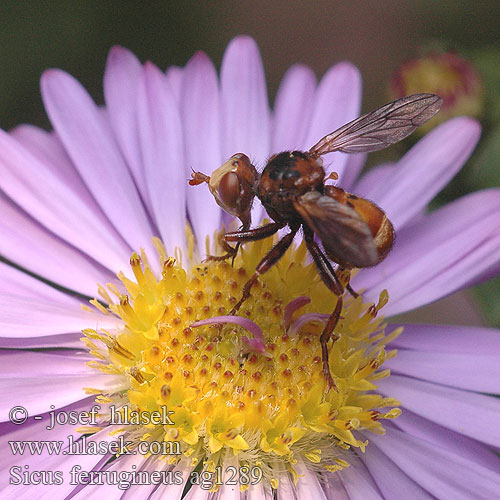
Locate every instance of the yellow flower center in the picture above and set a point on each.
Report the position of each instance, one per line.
(223, 396)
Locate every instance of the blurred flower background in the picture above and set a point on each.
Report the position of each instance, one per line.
(454, 44)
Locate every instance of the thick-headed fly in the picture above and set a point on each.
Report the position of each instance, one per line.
(354, 232)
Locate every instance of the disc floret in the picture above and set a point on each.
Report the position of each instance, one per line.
(253, 387)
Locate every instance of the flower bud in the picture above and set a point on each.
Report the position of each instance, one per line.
(447, 75)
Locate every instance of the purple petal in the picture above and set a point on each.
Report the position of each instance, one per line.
(293, 108)
(448, 339)
(438, 255)
(338, 101)
(427, 168)
(44, 364)
(174, 491)
(143, 490)
(24, 317)
(245, 120)
(260, 491)
(308, 485)
(121, 82)
(29, 245)
(463, 371)
(17, 283)
(197, 493)
(334, 488)
(374, 182)
(244, 104)
(162, 154)
(111, 490)
(439, 471)
(286, 487)
(201, 119)
(61, 462)
(389, 477)
(29, 307)
(65, 209)
(175, 77)
(52, 379)
(90, 143)
(31, 428)
(232, 491)
(354, 165)
(62, 340)
(47, 148)
(441, 437)
(468, 413)
(357, 481)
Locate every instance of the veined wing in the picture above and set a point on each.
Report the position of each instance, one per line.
(342, 231)
(382, 127)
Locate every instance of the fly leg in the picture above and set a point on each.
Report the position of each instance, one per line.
(265, 264)
(347, 274)
(325, 337)
(242, 236)
(259, 233)
(331, 280)
(351, 291)
(231, 251)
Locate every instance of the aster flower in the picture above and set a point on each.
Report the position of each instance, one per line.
(103, 199)
(447, 74)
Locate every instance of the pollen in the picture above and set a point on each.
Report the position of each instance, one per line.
(251, 385)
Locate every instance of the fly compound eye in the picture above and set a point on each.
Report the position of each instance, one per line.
(229, 191)
(242, 183)
(233, 185)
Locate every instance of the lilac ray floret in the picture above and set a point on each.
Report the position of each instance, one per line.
(115, 176)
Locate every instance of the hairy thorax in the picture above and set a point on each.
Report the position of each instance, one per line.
(287, 176)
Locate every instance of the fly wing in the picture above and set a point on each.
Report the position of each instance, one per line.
(342, 231)
(382, 127)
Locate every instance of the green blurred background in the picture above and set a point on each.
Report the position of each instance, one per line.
(377, 36)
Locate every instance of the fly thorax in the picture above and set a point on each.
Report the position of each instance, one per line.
(287, 176)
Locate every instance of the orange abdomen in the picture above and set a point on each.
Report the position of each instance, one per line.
(375, 218)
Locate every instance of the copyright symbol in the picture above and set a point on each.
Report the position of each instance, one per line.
(18, 415)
